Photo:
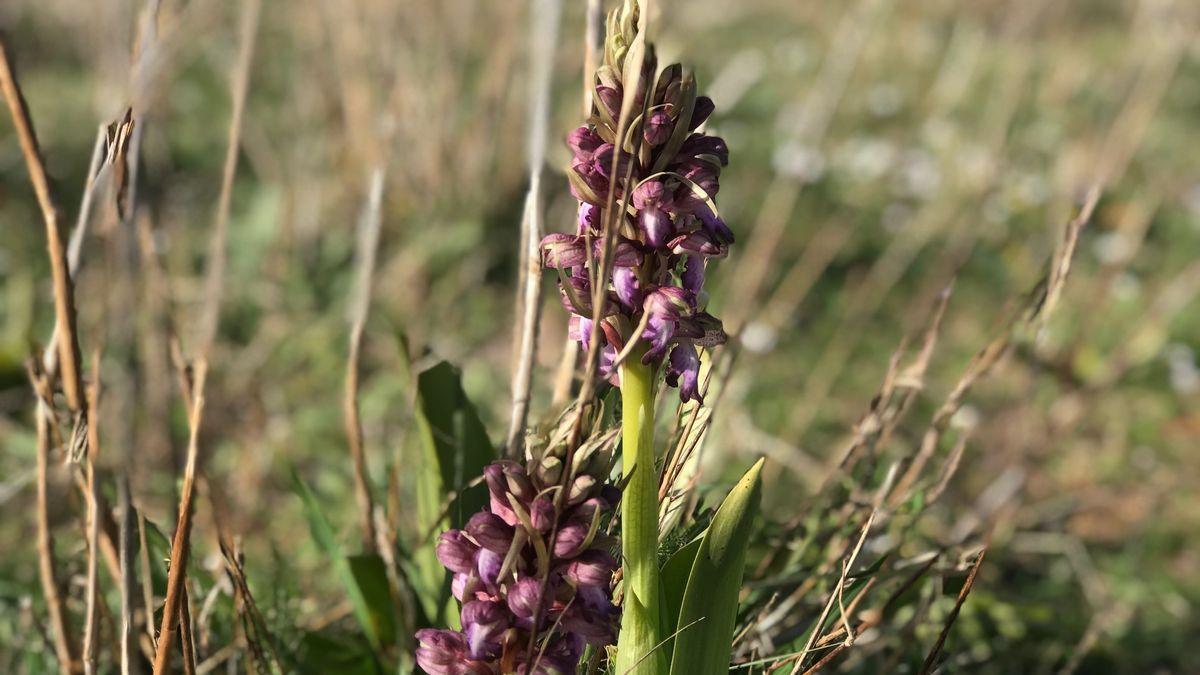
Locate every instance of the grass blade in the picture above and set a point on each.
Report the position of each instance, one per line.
(370, 612)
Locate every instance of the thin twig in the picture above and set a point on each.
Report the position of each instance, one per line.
(958, 603)
(187, 640)
(63, 644)
(368, 242)
(816, 631)
(147, 585)
(661, 644)
(214, 281)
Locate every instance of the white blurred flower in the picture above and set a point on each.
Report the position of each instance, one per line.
(759, 338)
(799, 161)
(1181, 362)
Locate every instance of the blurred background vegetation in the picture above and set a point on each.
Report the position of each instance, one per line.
(880, 149)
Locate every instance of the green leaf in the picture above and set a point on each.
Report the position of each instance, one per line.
(453, 451)
(379, 631)
(370, 575)
(709, 610)
(158, 547)
(325, 652)
(674, 577)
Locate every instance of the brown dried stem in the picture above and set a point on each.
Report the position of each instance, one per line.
(180, 544)
(63, 643)
(93, 522)
(64, 293)
(931, 659)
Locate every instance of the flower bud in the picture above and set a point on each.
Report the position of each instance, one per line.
(584, 142)
(562, 656)
(464, 586)
(441, 652)
(588, 218)
(498, 492)
(490, 531)
(610, 99)
(628, 287)
(668, 303)
(592, 568)
(483, 621)
(489, 564)
(571, 540)
(703, 329)
(581, 489)
(518, 481)
(698, 242)
(624, 254)
(561, 250)
(523, 597)
(655, 224)
(589, 508)
(456, 552)
(668, 83)
(549, 470)
(542, 513)
(658, 128)
(653, 193)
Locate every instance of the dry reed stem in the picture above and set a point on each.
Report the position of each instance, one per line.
(368, 243)
(217, 254)
(543, 36)
(68, 355)
(64, 292)
(93, 521)
(180, 544)
(63, 643)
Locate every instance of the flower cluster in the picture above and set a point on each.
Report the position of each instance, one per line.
(668, 227)
(532, 569)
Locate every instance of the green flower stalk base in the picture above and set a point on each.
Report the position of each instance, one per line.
(638, 649)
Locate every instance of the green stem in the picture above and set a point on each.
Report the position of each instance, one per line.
(640, 621)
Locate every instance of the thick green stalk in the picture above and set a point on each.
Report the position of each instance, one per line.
(638, 652)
